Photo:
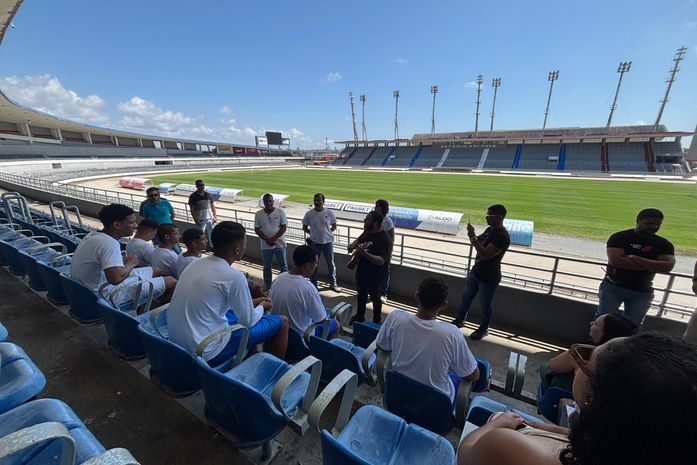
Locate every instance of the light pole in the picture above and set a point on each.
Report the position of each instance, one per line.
(480, 80)
(353, 117)
(434, 91)
(679, 55)
(395, 94)
(362, 97)
(622, 68)
(495, 83)
(551, 77)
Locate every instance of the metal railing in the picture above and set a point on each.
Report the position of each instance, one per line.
(538, 272)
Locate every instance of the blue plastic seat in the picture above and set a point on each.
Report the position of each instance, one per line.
(82, 300)
(244, 403)
(376, 437)
(47, 452)
(338, 355)
(50, 275)
(20, 379)
(364, 333)
(172, 368)
(30, 258)
(3, 333)
(122, 329)
(297, 349)
(548, 401)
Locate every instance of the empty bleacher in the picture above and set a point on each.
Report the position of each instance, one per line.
(463, 157)
(582, 157)
(358, 156)
(429, 157)
(401, 157)
(378, 156)
(500, 157)
(538, 157)
(627, 156)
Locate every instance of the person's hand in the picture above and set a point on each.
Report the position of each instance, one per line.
(470, 231)
(507, 420)
(263, 301)
(270, 241)
(156, 272)
(215, 219)
(361, 251)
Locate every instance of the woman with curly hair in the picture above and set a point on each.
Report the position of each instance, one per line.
(638, 405)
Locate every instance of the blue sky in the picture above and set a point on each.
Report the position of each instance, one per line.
(225, 71)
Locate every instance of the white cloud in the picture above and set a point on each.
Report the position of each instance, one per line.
(226, 110)
(143, 115)
(470, 85)
(45, 93)
(639, 123)
(402, 61)
(689, 24)
(331, 78)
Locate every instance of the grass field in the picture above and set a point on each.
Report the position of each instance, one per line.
(572, 207)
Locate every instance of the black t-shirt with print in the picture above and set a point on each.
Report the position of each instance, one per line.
(642, 246)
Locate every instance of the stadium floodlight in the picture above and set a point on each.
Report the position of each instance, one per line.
(395, 94)
(679, 55)
(622, 68)
(353, 117)
(480, 80)
(551, 77)
(495, 83)
(362, 97)
(434, 91)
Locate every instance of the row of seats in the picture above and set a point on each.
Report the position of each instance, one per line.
(251, 400)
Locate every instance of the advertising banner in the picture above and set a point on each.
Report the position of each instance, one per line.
(520, 231)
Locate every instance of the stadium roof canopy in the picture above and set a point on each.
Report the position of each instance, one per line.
(571, 134)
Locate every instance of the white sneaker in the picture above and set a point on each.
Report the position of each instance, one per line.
(335, 288)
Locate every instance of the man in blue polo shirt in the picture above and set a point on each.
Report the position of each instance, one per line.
(159, 210)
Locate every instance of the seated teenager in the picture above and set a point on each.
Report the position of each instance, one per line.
(140, 245)
(196, 243)
(98, 258)
(212, 295)
(164, 257)
(559, 371)
(638, 400)
(429, 351)
(294, 296)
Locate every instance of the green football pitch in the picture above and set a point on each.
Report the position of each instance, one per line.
(572, 207)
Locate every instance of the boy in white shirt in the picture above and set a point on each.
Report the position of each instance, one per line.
(163, 256)
(141, 245)
(212, 295)
(294, 296)
(196, 242)
(429, 351)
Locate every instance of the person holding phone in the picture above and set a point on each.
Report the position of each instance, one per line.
(485, 275)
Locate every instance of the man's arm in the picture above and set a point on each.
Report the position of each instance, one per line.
(485, 253)
(374, 259)
(281, 231)
(390, 235)
(332, 228)
(171, 211)
(215, 215)
(117, 274)
(617, 258)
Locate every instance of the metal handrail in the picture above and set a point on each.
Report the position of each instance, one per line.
(442, 255)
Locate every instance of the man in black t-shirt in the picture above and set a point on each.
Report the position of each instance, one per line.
(485, 275)
(373, 248)
(202, 209)
(634, 257)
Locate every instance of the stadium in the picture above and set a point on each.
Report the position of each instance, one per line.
(125, 387)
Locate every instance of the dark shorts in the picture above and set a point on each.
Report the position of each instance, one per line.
(263, 330)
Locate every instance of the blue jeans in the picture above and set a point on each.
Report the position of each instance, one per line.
(636, 303)
(328, 251)
(385, 283)
(207, 227)
(267, 256)
(486, 295)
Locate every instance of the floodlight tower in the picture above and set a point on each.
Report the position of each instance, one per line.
(551, 77)
(434, 91)
(495, 83)
(395, 94)
(679, 55)
(363, 116)
(622, 68)
(480, 80)
(353, 117)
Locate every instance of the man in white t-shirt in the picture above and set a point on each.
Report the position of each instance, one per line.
(270, 225)
(320, 224)
(212, 295)
(164, 257)
(98, 258)
(196, 242)
(381, 206)
(294, 296)
(429, 351)
(140, 245)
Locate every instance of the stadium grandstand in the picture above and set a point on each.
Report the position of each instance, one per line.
(97, 376)
(590, 151)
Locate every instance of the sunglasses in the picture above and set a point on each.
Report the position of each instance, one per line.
(581, 353)
(154, 195)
